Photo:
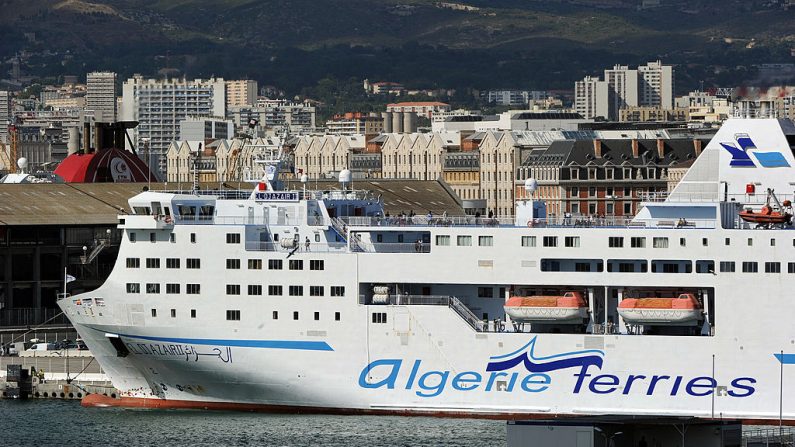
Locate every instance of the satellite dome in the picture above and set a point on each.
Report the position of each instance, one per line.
(345, 176)
(22, 163)
(530, 185)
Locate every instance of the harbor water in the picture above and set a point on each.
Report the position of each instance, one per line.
(42, 423)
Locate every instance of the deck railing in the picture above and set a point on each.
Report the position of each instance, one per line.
(433, 300)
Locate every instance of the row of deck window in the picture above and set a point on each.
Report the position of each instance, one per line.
(231, 264)
(574, 241)
(658, 266)
(234, 315)
(235, 289)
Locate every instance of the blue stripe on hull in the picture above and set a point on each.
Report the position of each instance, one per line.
(265, 344)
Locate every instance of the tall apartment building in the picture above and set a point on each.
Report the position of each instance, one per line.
(656, 85)
(623, 89)
(5, 114)
(241, 93)
(101, 96)
(160, 105)
(591, 98)
(650, 85)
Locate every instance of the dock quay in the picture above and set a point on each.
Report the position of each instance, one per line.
(53, 377)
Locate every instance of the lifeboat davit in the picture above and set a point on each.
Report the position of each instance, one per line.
(570, 308)
(671, 311)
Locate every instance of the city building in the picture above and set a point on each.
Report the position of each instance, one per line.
(656, 85)
(623, 89)
(653, 113)
(650, 85)
(58, 104)
(383, 88)
(591, 98)
(355, 123)
(276, 115)
(222, 160)
(5, 114)
(424, 109)
(241, 93)
(513, 120)
(160, 105)
(510, 98)
(206, 129)
(101, 96)
(598, 177)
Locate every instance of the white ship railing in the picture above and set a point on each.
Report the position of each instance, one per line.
(314, 247)
(574, 221)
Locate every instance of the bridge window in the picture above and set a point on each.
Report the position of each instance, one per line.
(133, 287)
(637, 242)
(316, 291)
(660, 242)
(791, 267)
(337, 290)
(296, 290)
(233, 289)
(442, 240)
(528, 241)
(317, 264)
(172, 288)
(193, 289)
(133, 263)
(296, 264)
(153, 263)
(550, 241)
(172, 263)
(336, 316)
(254, 289)
(485, 241)
(193, 263)
(615, 242)
(152, 288)
(232, 264)
(275, 315)
(232, 238)
(255, 264)
(233, 315)
(572, 241)
(274, 264)
(464, 241)
(379, 317)
(275, 290)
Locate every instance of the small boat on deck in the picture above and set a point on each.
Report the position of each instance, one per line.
(682, 310)
(570, 308)
(778, 214)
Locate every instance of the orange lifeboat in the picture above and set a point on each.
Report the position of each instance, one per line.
(765, 216)
(568, 308)
(671, 311)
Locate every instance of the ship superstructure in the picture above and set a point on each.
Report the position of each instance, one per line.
(318, 301)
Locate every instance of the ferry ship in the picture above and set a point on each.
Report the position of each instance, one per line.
(315, 301)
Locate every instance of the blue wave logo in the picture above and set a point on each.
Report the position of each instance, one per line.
(741, 156)
(526, 356)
